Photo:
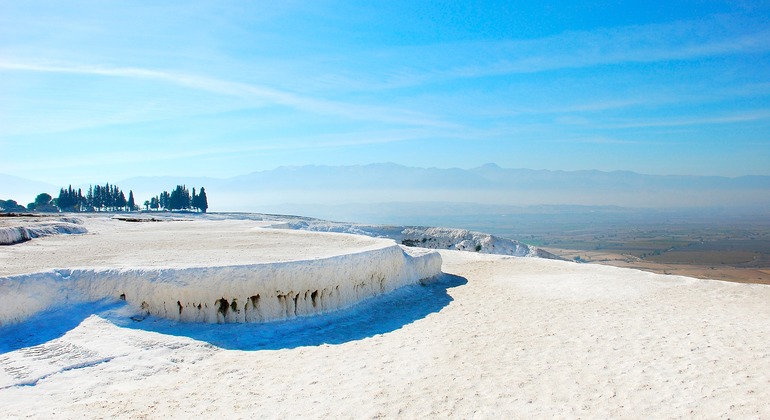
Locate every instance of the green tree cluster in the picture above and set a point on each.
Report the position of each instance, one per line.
(11, 206)
(43, 202)
(110, 198)
(98, 198)
(107, 198)
(70, 199)
(179, 199)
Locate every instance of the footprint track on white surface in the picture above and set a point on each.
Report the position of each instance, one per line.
(27, 366)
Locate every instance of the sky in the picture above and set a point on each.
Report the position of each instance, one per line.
(95, 91)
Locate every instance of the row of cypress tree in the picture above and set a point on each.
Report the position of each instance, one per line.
(110, 198)
(179, 199)
(98, 198)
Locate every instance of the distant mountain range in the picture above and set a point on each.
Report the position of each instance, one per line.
(23, 190)
(306, 186)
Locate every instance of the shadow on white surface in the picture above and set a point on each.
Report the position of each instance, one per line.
(378, 315)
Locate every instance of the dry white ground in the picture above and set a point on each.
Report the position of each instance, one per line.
(182, 243)
(506, 338)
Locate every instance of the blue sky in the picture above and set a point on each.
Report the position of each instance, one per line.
(94, 91)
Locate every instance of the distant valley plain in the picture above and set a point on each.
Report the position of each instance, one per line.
(719, 244)
(707, 245)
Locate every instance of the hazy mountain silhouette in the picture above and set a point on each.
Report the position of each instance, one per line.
(23, 190)
(488, 184)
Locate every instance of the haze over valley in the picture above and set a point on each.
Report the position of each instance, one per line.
(318, 189)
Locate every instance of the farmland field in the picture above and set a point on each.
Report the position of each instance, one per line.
(720, 245)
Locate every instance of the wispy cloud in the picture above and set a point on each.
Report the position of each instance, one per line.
(631, 44)
(242, 90)
(128, 155)
(603, 140)
(320, 141)
(732, 118)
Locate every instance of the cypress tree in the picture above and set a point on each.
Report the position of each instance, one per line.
(120, 200)
(203, 202)
(90, 198)
(63, 200)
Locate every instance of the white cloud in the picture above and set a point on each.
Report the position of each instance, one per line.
(731, 118)
(579, 49)
(243, 90)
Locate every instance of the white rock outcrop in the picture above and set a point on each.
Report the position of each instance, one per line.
(17, 234)
(223, 294)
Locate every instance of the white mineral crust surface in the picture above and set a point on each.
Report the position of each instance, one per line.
(492, 337)
(204, 271)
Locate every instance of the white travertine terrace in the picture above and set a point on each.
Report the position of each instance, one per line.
(199, 271)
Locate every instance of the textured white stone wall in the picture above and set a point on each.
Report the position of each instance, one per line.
(244, 293)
